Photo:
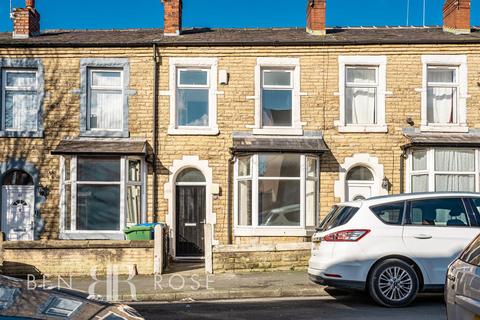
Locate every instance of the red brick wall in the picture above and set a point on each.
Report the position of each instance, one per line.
(26, 22)
(172, 16)
(456, 15)
(316, 16)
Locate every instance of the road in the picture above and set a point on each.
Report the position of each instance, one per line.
(345, 307)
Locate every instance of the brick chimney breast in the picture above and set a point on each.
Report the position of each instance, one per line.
(172, 17)
(316, 17)
(456, 16)
(26, 21)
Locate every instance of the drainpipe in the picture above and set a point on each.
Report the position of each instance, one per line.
(155, 133)
(231, 161)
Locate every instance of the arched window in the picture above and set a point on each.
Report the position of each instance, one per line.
(360, 174)
(191, 175)
(17, 178)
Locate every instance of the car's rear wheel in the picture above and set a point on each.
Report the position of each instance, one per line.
(393, 283)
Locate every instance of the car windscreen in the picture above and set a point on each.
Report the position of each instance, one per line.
(338, 216)
(471, 254)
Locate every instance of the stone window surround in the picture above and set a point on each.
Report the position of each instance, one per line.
(104, 63)
(205, 62)
(459, 61)
(267, 231)
(98, 234)
(372, 61)
(278, 62)
(28, 64)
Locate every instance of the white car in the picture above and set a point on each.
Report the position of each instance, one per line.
(393, 246)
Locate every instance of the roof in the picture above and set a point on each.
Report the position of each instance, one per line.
(426, 139)
(239, 37)
(103, 147)
(311, 142)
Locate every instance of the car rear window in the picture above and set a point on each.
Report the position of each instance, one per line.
(338, 216)
(471, 254)
(391, 213)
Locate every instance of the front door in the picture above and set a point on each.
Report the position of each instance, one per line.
(190, 218)
(359, 190)
(18, 205)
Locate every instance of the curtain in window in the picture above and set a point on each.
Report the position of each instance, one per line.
(455, 161)
(106, 110)
(360, 102)
(20, 111)
(134, 204)
(440, 101)
(420, 183)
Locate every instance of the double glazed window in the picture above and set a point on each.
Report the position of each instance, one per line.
(193, 91)
(361, 88)
(20, 100)
(276, 190)
(277, 97)
(440, 170)
(442, 94)
(105, 99)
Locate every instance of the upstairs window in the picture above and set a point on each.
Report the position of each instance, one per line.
(193, 90)
(277, 97)
(442, 95)
(361, 88)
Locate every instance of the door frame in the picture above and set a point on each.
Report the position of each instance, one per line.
(5, 205)
(358, 183)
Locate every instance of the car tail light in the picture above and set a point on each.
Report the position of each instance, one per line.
(346, 236)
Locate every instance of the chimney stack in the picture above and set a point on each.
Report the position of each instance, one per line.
(316, 17)
(456, 16)
(26, 21)
(172, 17)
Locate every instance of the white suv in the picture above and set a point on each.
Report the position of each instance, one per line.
(393, 246)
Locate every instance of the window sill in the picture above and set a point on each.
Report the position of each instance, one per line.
(92, 235)
(362, 128)
(193, 131)
(278, 131)
(104, 134)
(21, 134)
(444, 128)
(273, 232)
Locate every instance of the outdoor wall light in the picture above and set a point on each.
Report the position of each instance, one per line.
(385, 183)
(43, 191)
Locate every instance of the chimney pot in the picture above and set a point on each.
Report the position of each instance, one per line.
(30, 3)
(172, 17)
(456, 16)
(316, 17)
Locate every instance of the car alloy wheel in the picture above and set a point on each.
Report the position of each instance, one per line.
(395, 283)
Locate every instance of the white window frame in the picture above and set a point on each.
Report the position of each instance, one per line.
(293, 65)
(206, 64)
(380, 64)
(72, 233)
(449, 61)
(255, 229)
(431, 172)
(5, 89)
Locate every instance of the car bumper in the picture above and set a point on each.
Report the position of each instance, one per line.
(318, 277)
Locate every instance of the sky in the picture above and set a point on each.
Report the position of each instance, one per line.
(121, 14)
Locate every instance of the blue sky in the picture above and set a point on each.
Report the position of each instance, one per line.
(112, 14)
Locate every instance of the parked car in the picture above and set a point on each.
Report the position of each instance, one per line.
(394, 246)
(18, 299)
(462, 289)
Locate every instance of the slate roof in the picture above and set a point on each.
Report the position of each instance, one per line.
(432, 139)
(104, 147)
(241, 37)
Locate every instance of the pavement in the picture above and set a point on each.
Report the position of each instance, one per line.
(353, 306)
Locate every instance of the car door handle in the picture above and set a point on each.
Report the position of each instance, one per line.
(422, 236)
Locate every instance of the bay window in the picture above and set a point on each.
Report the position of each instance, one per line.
(276, 194)
(443, 170)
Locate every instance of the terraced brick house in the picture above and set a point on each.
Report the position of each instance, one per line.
(253, 132)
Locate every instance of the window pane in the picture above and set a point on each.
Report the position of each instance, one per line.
(439, 212)
(98, 207)
(21, 111)
(391, 213)
(279, 165)
(21, 79)
(361, 75)
(441, 75)
(337, 217)
(62, 307)
(106, 110)
(360, 104)
(312, 167)
(134, 204)
(277, 78)
(279, 203)
(67, 168)
(311, 203)
(419, 160)
(419, 183)
(441, 105)
(134, 170)
(245, 203)
(360, 174)
(455, 160)
(98, 169)
(191, 175)
(454, 183)
(471, 254)
(244, 166)
(68, 206)
(277, 108)
(193, 77)
(192, 107)
(107, 79)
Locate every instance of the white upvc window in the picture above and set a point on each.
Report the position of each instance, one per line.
(20, 100)
(101, 195)
(193, 96)
(105, 102)
(362, 84)
(443, 170)
(277, 96)
(276, 194)
(444, 93)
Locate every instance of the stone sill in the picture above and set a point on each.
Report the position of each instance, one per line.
(263, 248)
(75, 244)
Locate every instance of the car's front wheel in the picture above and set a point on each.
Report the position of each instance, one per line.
(393, 283)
